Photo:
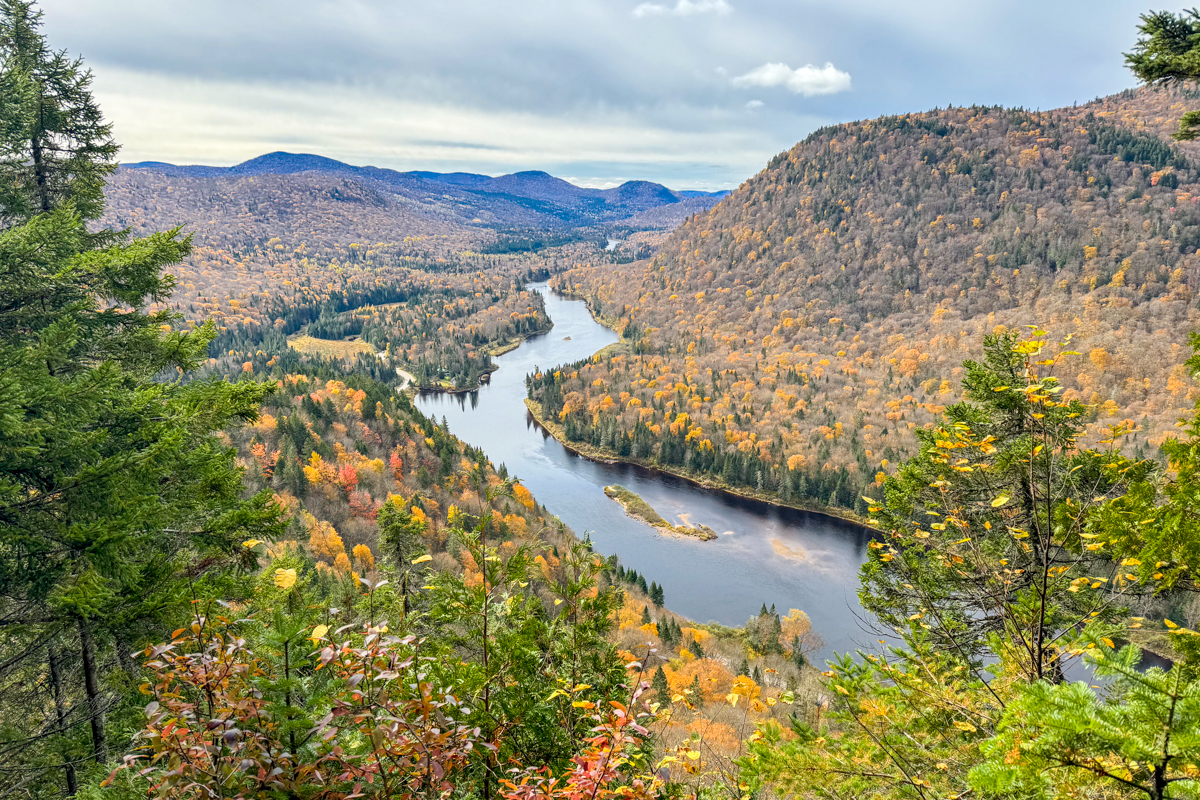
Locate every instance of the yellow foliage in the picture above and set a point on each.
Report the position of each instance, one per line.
(364, 557)
(285, 578)
(715, 679)
(323, 539)
(523, 496)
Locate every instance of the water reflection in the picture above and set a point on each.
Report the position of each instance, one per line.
(763, 554)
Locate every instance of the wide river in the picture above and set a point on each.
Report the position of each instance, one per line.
(781, 557)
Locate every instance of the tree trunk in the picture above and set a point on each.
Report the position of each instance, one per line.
(60, 710)
(39, 162)
(91, 683)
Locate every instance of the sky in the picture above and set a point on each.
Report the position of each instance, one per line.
(694, 94)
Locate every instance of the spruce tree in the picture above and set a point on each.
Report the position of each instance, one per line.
(1168, 52)
(661, 692)
(115, 496)
(57, 148)
(797, 656)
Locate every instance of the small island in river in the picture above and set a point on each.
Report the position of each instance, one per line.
(638, 508)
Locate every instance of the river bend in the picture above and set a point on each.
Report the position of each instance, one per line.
(764, 554)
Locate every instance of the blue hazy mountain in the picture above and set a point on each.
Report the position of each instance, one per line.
(523, 198)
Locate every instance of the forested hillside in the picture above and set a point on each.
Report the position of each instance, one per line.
(794, 338)
(235, 561)
(236, 566)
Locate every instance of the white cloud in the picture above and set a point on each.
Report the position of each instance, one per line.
(753, 104)
(683, 8)
(807, 80)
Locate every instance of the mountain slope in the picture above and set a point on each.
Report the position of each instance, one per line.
(522, 199)
(810, 322)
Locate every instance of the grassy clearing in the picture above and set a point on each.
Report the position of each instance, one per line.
(347, 348)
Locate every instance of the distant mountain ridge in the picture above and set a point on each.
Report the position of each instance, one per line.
(539, 198)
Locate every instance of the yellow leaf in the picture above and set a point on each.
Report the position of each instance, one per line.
(285, 578)
(1170, 624)
(964, 726)
(1108, 642)
(422, 559)
(1131, 562)
(319, 632)
(1000, 501)
(252, 543)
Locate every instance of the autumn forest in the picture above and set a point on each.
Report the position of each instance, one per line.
(239, 562)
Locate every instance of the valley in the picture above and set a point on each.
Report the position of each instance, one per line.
(875, 477)
(763, 556)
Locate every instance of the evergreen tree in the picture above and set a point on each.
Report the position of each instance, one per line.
(697, 649)
(57, 147)
(646, 615)
(661, 691)
(400, 534)
(985, 519)
(656, 595)
(797, 655)
(744, 668)
(115, 496)
(667, 632)
(1168, 52)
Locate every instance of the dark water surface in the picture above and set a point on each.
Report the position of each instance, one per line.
(792, 559)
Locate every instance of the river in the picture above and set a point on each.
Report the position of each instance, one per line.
(791, 559)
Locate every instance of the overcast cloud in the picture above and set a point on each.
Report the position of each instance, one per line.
(691, 93)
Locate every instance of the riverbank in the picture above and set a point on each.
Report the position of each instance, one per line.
(513, 344)
(703, 481)
(727, 580)
(638, 508)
